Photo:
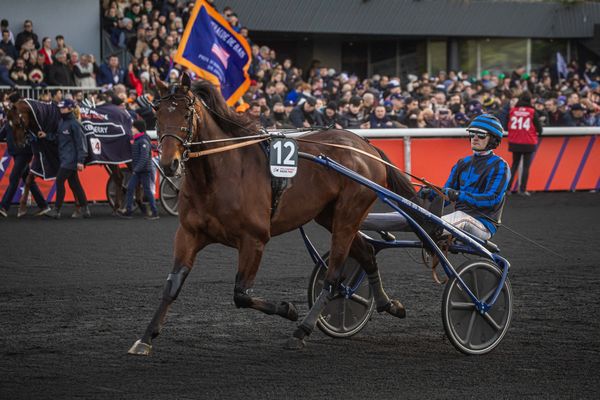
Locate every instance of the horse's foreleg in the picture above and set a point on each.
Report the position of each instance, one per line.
(250, 254)
(187, 246)
(364, 253)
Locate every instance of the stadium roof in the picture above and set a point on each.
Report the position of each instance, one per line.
(474, 18)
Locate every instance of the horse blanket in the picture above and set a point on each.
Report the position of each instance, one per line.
(106, 127)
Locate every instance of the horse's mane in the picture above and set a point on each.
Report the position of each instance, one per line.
(228, 120)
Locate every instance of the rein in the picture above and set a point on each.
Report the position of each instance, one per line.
(424, 181)
(254, 139)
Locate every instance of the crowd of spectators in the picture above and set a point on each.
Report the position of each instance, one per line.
(281, 94)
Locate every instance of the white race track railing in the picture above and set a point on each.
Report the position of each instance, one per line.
(408, 134)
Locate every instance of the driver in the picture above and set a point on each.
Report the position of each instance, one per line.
(477, 183)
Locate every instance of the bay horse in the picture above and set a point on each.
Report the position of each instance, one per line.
(226, 198)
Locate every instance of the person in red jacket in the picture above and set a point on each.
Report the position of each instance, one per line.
(523, 128)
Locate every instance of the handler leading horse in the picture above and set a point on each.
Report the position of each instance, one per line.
(226, 198)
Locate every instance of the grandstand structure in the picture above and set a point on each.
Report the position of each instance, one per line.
(395, 37)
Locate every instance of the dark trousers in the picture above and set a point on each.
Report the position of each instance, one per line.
(527, 157)
(72, 177)
(146, 180)
(21, 171)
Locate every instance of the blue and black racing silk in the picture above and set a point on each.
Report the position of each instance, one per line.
(481, 181)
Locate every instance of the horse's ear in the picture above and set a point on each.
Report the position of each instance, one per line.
(186, 82)
(163, 88)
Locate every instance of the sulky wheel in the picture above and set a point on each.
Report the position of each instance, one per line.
(468, 330)
(342, 317)
(169, 194)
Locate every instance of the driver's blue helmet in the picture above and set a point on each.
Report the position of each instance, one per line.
(488, 124)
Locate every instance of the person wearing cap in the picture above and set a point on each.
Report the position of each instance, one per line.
(523, 127)
(331, 117)
(477, 183)
(141, 162)
(306, 115)
(72, 151)
(576, 116)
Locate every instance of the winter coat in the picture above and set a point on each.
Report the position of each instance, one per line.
(141, 153)
(72, 144)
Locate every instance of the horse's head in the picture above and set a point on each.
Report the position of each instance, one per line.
(176, 122)
(19, 119)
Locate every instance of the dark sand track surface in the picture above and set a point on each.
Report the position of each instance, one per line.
(75, 295)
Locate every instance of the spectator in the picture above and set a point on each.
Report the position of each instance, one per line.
(83, 72)
(445, 118)
(540, 111)
(577, 116)
(7, 46)
(134, 13)
(46, 50)
(306, 115)
(26, 35)
(37, 70)
(111, 73)
(379, 119)
(18, 73)
(4, 27)
(555, 117)
(61, 45)
(6, 64)
(59, 73)
(355, 118)
(280, 116)
(332, 118)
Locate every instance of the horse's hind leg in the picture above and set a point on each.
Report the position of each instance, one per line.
(250, 254)
(364, 253)
(187, 245)
(344, 227)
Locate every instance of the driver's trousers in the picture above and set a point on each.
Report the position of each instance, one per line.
(468, 224)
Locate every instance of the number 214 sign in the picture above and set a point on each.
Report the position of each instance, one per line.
(284, 158)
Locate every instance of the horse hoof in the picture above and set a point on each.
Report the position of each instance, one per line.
(140, 348)
(292, 312)
(294, 343)
(395, 308)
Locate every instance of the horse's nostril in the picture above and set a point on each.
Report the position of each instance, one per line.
(175, 165)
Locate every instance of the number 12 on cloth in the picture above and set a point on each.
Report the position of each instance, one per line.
(283, 158)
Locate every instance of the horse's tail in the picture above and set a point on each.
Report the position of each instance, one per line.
(397, 182)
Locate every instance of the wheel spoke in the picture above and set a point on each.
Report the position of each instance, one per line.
(488, 295)
(475, 284)
(490, 320)
(360, 300)
(470, 329)
(460, 305)
(169, 196)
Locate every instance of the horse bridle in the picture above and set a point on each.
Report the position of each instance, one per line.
(191, 115)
